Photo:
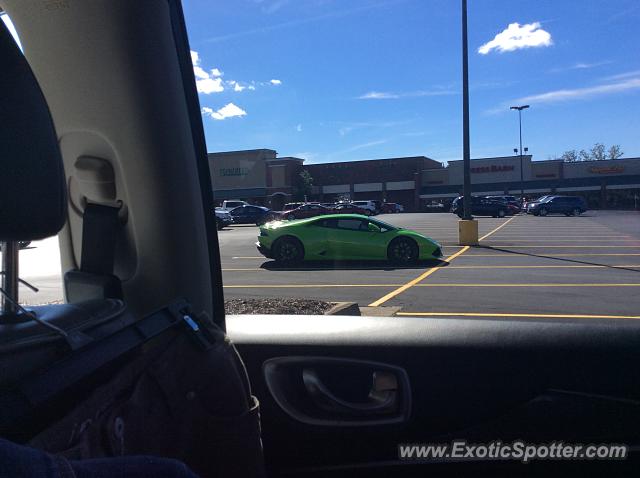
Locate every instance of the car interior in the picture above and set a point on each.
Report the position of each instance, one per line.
(337, 395)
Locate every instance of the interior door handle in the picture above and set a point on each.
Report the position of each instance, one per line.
(382, 398)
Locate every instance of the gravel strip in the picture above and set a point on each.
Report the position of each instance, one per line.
(278, 305)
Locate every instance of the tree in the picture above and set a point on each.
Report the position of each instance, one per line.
(598, 152)
(303, 186)
(615, 152)
(569, 156)
(583, 155)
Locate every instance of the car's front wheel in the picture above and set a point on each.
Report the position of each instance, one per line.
(367, 212)
(543, 212)
(576, 212)
(288, 251)
(403, 251)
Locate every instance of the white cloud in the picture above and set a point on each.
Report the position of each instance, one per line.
(582, 93)
(251, 87)
(209, 85)
(227, 111)
(298, 128)
(378, 95)
(200, 73)
(623, 76)
(206, 83)
(389, 95)
(574, 94)
(516, 37)
(275, 82)
(236, 86)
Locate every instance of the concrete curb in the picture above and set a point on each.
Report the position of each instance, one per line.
(344, 308)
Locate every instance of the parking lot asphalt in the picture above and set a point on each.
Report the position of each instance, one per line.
(536, 267)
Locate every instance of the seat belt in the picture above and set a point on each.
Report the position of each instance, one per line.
(95, 279)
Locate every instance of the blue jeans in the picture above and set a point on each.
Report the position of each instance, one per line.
(17, 461)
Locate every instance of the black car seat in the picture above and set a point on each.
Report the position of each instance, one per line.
(170, 384)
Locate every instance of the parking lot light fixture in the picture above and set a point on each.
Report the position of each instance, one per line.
(519, 109)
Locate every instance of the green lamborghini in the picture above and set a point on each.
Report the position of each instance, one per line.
(343, 236)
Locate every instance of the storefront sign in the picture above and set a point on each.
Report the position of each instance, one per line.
(494, 168)
(606, 169)
(234, 171)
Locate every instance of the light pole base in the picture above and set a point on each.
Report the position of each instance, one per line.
(467, 232)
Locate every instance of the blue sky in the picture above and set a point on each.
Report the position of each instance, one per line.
(361, 79)
(339, 80)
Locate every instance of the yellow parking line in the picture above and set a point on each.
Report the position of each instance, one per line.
(506, 239)
(497, 228)
(525, 256)
(302, 286)
(413, 282)
(534, 316)
(551, 266)
(547, 284)
(546, 246)
(430, 271)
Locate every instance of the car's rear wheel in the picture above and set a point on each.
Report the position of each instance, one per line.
(367, 212)
(543, 212)
(576, 211)
(288, 250)
(291, 217)
(403, 251)
(502, 213)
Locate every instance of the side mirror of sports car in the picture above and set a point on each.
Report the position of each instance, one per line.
(373, 228)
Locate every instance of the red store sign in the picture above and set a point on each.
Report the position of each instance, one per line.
(494, 168)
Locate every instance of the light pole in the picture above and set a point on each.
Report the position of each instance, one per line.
(520, 108)
(467, 227)
(466, 150)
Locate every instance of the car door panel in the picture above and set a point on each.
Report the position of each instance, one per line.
(316, 243)
(476, 379)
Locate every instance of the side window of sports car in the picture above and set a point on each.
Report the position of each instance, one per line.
(352, 224)
(330, 223)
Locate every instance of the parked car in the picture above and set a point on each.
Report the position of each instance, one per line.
(434, 206)
(527, 205)
(304, 211)
(481, 206)
(510, 200)
(229, 205)
(349, 236)
(292, 205)
(567, 205)
(391, 208)
(223, 218)
(251, 215)
(370, 205)
(347, 208)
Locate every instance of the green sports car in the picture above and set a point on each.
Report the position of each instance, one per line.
(343, 236)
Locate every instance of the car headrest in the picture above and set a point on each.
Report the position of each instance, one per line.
(32, 182)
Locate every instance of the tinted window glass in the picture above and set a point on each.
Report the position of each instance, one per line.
(351, 224)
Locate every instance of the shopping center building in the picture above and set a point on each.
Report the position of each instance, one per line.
(261, 177)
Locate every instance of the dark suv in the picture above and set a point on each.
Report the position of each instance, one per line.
(481, 206)
(567, 205)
